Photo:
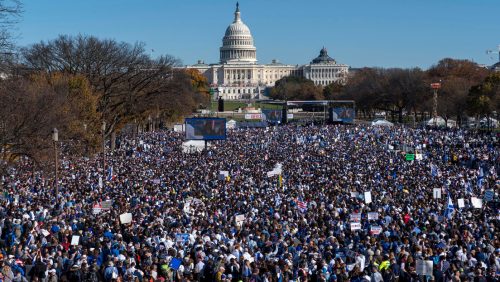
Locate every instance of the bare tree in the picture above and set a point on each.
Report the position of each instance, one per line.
(125, 77)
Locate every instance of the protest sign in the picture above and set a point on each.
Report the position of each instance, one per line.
(75, 240)
(182, 237)
(96, 209)
(106, 205)
(354, 194)
(373, 216)
(355, 226)
(419, 157)
(375, 230)
(125, 218)
(223, 174)
(410, 157)
(175, 263)
(239, 219)
(45, 233)
(424, 267)
(436, 193)
(355, 217)
(368, 197)
(461, 203)
(100, 182)
(476, 202)
(156, 181)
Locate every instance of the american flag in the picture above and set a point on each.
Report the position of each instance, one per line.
(301, 205)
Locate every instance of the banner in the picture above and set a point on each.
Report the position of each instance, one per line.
(355, 226)
(375, 230)
(75, 240)
(410, 157)
(253, 116)
(461, 203)
(355, 217)
(368, 197)
(373, 216)
(436, 193)
(125, 218)
(476, 202)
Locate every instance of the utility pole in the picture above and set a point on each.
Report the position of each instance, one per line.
(103, 129)
(435, 87)
(55, 138)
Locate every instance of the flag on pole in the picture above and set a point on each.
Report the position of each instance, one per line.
(110, 174)
(434, 170)
(449, 208)
(301, 205)
(480, 177)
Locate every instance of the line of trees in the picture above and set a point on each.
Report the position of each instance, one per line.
(77, 83)
(467, 90)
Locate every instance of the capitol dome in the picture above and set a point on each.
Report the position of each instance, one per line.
(237, 43)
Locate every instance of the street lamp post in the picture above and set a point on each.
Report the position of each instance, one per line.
(55, 139)
(103, 129)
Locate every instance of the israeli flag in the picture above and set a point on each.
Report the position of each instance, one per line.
(449, 209)
(480, 177)
(110, 174)
(434, 170)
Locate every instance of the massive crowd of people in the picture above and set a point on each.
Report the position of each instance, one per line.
(287, 203)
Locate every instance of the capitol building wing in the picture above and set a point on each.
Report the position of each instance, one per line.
(239, 76)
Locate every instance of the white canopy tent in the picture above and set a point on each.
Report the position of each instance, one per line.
(439, 121)
(193, 146)
(382, 122)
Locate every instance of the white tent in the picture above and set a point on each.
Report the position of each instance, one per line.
(439, 121)
(193, 146)
(231, 124)
(484, 122)
(381, 122)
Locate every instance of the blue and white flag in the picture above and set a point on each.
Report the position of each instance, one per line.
(449, 208)
(434, 170)
(110, 174)
(480, 177)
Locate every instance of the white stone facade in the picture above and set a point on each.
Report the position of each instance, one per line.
(238, 76)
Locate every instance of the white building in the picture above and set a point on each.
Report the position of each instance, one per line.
(239, 76)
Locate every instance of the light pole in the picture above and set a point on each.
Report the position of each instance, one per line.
(55, 139)
(103, 128)
(435, 87)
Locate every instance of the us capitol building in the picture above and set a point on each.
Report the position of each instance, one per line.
(239, 76)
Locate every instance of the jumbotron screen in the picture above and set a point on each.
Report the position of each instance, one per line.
(205, 128)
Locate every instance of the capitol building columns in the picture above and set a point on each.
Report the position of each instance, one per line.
(238, 76)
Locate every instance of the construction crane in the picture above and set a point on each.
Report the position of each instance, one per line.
(491, 52)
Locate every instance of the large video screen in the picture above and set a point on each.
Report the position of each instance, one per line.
(271, 115)
(343, 114)
(205, 128)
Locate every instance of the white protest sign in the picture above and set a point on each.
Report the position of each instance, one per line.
(436, 193)
(223, 174)
(461, 203)
(375, 230)
(372, 215)
(125, 218)
(100, 182)
(75, 240)
(45, 233)
(96, 209)
(424, 267)
(476, 202)
(354, 194)
(239, 219)
(355, 226)
(355, 217)
(418, 157)
(368, 197)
